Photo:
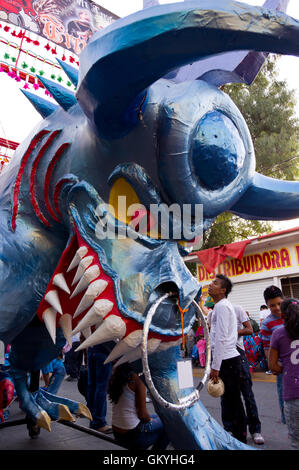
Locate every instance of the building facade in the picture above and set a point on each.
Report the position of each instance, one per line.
(270, 259)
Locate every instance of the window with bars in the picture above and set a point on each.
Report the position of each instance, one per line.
(290, 287)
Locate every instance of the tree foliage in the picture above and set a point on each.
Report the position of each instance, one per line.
(268, 107)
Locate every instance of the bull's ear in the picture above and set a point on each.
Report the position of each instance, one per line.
(120, 62)
(269, 199)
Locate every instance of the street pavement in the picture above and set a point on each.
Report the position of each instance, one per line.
(63, 437)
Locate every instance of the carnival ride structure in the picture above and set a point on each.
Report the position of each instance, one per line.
(138, 128)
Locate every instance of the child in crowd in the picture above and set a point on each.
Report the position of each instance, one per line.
(273, 298)
(284, 347)
(54, 374)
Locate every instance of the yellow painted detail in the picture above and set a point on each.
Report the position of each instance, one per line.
(121, 197)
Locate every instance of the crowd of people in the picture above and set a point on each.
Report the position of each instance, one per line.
(277, 340)
(238, 346)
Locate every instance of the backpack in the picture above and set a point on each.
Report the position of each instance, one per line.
(83, 381)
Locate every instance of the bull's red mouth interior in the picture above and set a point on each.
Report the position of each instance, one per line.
(80, 297)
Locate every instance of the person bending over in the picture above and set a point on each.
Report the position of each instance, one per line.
(132, 425)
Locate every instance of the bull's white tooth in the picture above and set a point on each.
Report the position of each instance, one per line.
(121, 349)
(129, 357)
(80, 253)
(95, 289)
(113, 327)
(49, 317)
(88, 276)
(152, 345)
(128, 344)
(102, 307)
(169, 344)
(89, 319)
(65, 322)
(59, 281)
(84, 264)
(135, 354)
(134, 339)
(98, 311)
(52, 298)
(86, 333)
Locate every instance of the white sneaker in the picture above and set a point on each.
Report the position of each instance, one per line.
(258, 438)
(269, 372)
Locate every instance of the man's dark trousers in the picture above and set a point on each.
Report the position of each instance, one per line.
(252, 420)
(232, 409)
(73, 360)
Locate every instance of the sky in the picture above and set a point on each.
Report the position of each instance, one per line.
(17, 116)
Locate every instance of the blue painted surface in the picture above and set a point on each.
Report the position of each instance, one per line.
(217, 151)
(269, 199)
(43, 107)
(71, 72)
(66, 99)
(155, 41)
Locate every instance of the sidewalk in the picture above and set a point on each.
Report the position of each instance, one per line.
(65, 438)
(264, 388)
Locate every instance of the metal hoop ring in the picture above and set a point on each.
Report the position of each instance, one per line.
(192, 398)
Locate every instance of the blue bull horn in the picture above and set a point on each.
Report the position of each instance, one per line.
(155, 41)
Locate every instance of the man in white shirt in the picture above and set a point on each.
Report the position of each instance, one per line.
(226, 361)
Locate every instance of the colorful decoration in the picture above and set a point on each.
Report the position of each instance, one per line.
(7, 148)
(6, 393)
(72, 263)
(18, 58)
(22, 35)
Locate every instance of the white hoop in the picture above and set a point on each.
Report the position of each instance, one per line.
(192, 398)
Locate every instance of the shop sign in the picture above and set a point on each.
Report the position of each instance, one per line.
(271, 260)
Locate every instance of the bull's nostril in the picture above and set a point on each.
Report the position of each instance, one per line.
(168, 316)
(167, 287)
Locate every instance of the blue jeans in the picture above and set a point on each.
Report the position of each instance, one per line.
(280, 394)
(56, 380)
(144, 435)
(98, 378)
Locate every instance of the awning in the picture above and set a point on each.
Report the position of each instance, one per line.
(212, 257)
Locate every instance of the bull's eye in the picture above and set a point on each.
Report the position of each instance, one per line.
(217, 151)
